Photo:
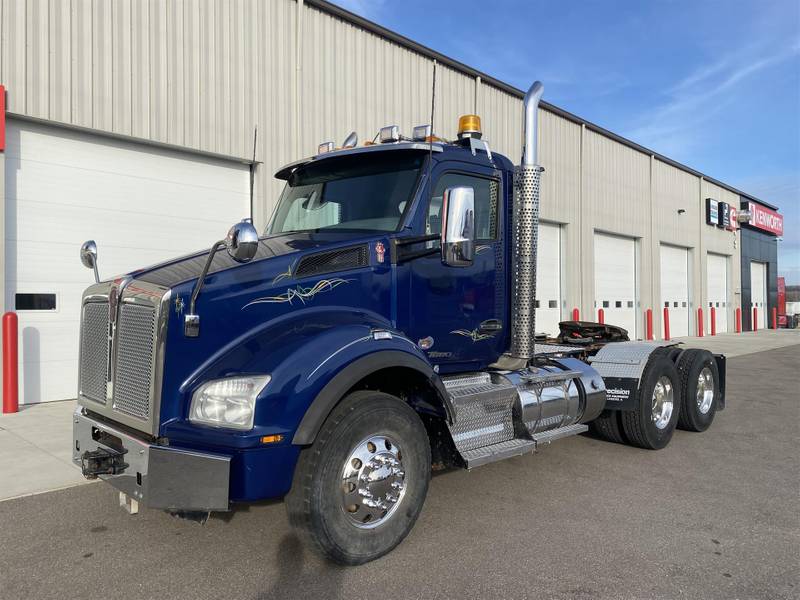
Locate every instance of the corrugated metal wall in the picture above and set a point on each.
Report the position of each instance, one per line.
(203, 73)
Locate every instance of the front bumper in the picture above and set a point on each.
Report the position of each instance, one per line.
(154, 476)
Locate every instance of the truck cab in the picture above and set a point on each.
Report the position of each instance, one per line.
(382, 324)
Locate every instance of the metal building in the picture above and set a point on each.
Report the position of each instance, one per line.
(132, 121)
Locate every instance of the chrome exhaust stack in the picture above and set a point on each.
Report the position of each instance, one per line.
(526, 233)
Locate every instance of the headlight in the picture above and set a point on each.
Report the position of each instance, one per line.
(229, 402)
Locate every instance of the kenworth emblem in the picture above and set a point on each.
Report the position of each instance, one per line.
(380, 251)
(113, 302)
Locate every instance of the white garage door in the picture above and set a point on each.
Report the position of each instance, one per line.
(141, 204)
(615, 280)
(548, 279)
(758, 292)
(717, 278)
(675, 288)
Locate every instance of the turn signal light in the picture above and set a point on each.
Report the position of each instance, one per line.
(271, 439)
(469, 126)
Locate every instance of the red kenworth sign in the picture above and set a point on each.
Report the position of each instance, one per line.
(765, 218)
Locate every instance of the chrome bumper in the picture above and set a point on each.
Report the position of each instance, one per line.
(154, 476)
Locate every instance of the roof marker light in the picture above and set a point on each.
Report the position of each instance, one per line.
(390, 134)
(351, 141)
(421, 133)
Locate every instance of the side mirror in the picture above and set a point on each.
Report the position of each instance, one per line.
(242, 241)
(458, 226)
(89, 257)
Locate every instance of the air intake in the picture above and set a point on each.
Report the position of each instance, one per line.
(332, 261)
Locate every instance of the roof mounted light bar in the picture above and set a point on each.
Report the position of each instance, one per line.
(421, 133)
(389, 134)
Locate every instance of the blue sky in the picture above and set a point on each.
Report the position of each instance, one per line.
(713, 84)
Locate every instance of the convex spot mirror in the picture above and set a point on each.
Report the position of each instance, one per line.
(242, 241)
(458, 226)
(89, 257)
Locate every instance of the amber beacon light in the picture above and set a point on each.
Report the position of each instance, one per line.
(469, 126)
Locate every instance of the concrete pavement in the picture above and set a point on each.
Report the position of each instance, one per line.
(714, 515)
(748, 342)
(36, 450)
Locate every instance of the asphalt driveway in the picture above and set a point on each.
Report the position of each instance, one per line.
(714, 515)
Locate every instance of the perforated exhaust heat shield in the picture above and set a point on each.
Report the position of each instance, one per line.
(525, 241)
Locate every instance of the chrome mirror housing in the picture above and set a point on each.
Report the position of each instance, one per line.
(89, 257)
(458, 226)
(242, 241)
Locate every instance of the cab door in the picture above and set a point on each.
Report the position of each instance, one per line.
(461, 311)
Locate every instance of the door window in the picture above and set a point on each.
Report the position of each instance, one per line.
(486, 195)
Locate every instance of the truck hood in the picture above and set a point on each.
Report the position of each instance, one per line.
(176, 271)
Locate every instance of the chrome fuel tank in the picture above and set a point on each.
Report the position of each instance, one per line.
(556, 394)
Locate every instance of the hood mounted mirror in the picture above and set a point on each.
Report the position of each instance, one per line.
(89, 257)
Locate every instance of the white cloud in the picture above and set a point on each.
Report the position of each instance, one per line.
(701, 94)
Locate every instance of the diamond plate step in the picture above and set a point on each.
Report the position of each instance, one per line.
(552, 435)
(517, 447)
(488, 454)
(483, 410)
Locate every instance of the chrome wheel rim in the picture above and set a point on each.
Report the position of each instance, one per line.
(705, 390)
(663, 402)
(373, 481)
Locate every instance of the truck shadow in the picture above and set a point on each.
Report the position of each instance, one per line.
(298, 572)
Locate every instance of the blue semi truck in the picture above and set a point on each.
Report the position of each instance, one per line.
(382, 326)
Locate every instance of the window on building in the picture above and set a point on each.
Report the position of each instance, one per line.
(34, 302)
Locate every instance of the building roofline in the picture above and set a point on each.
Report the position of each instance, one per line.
(410, 44)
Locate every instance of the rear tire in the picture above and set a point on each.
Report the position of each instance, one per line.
(608, 426)
(651, 424)
(359, 488)
(699, 390)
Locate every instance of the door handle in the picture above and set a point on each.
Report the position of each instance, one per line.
(490, 326)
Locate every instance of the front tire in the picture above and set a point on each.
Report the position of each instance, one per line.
(651, 424)
(359, 488)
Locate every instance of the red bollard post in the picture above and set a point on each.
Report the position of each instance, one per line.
(576, 316)
(738, 320)
(666, 323)
(713, 320)
(700, 322)
(649, 320)
(10, 364)
(601, 316)
(774, 317)
(755, 319)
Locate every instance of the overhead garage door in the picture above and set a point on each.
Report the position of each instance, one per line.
(548, 279)
(717, 278)
(675, 288)
(140, 203)
(615, 280)
(758, 292)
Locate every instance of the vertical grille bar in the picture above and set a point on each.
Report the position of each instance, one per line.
(135, 360)
(94, 351)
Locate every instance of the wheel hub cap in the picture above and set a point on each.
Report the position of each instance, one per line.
(373, 481)
(663, 402)
(705, 390)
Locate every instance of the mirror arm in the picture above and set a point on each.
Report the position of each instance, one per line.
(191, 321)
(96, 274)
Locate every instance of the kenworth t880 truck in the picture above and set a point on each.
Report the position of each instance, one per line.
(381, 327)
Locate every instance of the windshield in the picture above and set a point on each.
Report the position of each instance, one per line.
(357, 192)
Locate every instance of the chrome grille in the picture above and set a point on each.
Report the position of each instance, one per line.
(94, 351)
(133, 375)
